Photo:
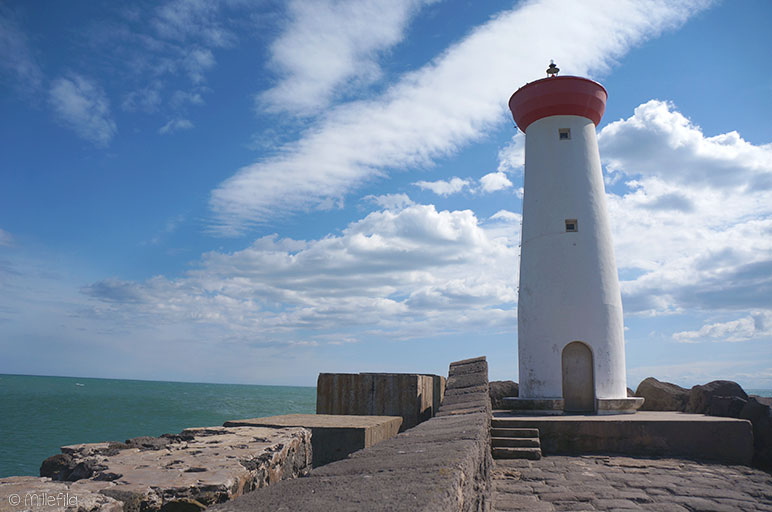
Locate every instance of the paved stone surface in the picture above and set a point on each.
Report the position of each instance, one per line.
(558, 483)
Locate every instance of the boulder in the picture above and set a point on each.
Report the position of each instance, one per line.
(58, 467)
(726, 406)
(762, 442)
(755, 408)
(630, 393)
(661, 396)
(701, 396)
(499, 389)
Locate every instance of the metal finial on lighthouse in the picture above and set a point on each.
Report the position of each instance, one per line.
(553, 70)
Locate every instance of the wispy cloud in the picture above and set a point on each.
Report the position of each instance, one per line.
(439, 108)
(329, 47)
(175, 125)
(444, 187)
(82, 105)
(17, 60)
(5, 238)
(756, 325)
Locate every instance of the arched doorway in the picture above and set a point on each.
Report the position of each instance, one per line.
(578, 389)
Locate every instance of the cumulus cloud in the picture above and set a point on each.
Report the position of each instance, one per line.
(406, 273)
(330, 46)
(439, 108)
(699, 248)
(686, 155)
(495, 181)
(443, 187)
(82, 105)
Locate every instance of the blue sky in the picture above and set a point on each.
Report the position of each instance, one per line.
(256, 192)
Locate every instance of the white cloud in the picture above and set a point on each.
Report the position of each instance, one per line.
(437, 109)
(693, 229)
(16, 57)
(506, 215)
(686, 155)
(755, 325)
(495, 181)
(83, 106)
(512, 156)
(442, 187)
(175, 125)
(408, 273)
(329, 47)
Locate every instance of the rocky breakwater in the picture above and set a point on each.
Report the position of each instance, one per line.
(183, 472)
(443, 464)
(717, 398)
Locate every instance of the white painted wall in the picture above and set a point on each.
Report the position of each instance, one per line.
(569, 290)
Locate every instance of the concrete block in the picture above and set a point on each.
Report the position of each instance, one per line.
(414, 397)
(333, 437)
(664, 434)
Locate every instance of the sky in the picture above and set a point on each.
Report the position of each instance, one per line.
(258, 191)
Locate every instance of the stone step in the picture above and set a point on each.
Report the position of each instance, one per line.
(515, 442)
(497, 431)
(510, 423)
(516, 453)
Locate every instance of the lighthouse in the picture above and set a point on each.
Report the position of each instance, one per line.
(570, 328)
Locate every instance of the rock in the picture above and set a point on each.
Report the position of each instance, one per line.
(726, 406)
(21, 493)
(630, 392)
(762, 442)
(700, 396)
(499, 389)
(184, 472)
(149, 442)
(661, 396)
(755, 409)
(57, 467)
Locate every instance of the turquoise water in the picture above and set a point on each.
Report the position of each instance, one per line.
(40, 414)
(760, 392)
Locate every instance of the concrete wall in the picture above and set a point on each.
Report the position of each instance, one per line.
(414, 397)
(443, 464)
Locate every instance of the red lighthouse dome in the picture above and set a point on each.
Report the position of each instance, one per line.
(558, 96)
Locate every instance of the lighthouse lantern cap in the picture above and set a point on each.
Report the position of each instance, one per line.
(558, 96)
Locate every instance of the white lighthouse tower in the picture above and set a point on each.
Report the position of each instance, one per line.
(570, 327)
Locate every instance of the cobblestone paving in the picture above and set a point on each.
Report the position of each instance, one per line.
(623, 483)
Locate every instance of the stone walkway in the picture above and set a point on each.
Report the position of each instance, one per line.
(558, 483)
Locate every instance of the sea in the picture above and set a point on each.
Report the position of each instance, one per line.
(40, 414)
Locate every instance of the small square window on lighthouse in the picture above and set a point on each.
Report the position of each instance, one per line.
(572, 226)
(564, 133)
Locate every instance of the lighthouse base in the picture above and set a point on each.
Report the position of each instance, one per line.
(556, 406)
(618, 405)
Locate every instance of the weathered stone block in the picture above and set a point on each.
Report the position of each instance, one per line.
(182, 472)
(414, 397)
